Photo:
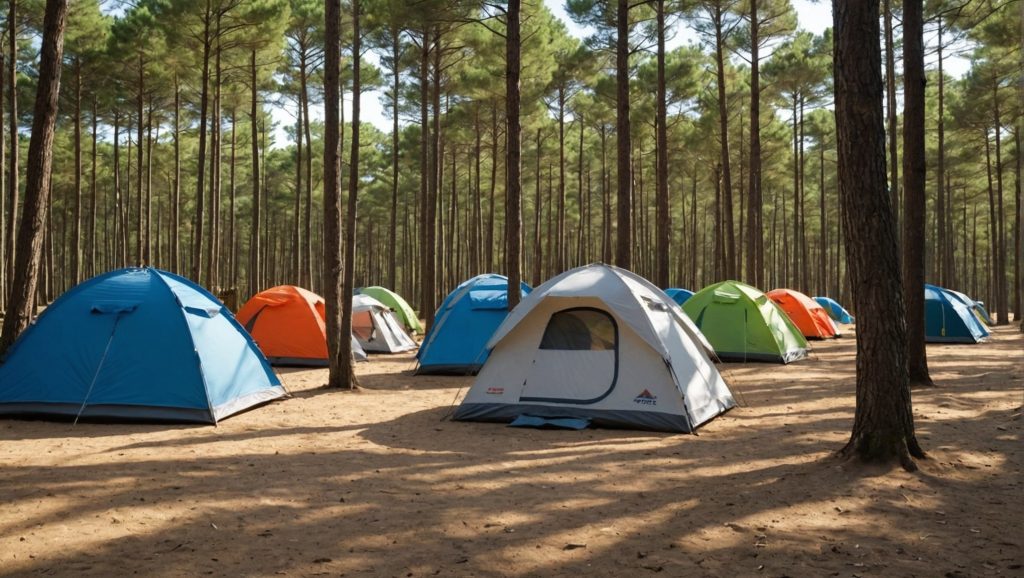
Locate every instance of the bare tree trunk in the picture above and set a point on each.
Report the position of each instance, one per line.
(914, 189)
(513, 180)
(94, 191)
(332, 186)
(296, 255)
(307, 249)
(755, 235)
(197, 237)
(396, 53)
(140, 255)
(76, 232)
(1002, 301)
(37, 183)
(664, 220)
(426, 225)
(176, 191)
(12, 103)
(892, 116)
(255, 257)
(624, 238)
(731, 265)
(883, 427)
(346, 377)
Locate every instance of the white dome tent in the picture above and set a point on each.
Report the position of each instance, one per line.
(602, 344)
(376, 328)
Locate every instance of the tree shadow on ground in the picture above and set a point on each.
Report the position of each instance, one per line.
(411, 494)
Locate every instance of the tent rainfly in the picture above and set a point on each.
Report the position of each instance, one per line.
(836, 311)
(950, 320)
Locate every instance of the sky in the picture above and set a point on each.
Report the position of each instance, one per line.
(813, 16)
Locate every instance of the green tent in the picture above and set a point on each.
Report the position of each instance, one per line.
(401, 308)
(743, 324)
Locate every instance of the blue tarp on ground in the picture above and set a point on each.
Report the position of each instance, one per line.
(836, 311)
(136, 344)
(457, 340)
(949, 319)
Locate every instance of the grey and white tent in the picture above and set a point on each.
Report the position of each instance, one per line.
(603, 344)
(376, 328)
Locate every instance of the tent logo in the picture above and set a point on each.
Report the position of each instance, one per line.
(646, 398)
(495, 391)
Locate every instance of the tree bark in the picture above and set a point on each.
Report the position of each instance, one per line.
(883, 428)
(255, 256)
(12, 175)
(755, 236)
(723, 129)
(624, 235)
(37, 183)
(513, 154)
(332, 186)
(664, 218)
(197, 237)
(914, 189)
(892, 116)
(346, 377)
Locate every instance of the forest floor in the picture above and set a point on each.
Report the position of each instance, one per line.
(378, 483)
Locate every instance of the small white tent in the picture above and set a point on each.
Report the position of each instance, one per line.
(603, 344)
(376, 328)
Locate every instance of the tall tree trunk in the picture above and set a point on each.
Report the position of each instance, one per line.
(883, 427)
(176, 265)
(624, 238)
(914, 189)
(426, 226)
(94, 191)
(396, 86)
(755, 236)
(140, 255)
(332, 200)
(346, 377)
(76, 232)
(37, 176)
(731, 264)
(664, 220)
(560, 221)
(513, 154)
(307, 249)
(1002, 302)
(296, 254)
(891, 114)
(255, 257)
(204, 98)
(12, 175)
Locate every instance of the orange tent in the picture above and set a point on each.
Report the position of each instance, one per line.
(287, 323)
(810, 317)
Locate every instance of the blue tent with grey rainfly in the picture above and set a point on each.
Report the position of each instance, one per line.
(457, 341)
(136, 345)
(948, 319)
(837, 312)
(678, 295)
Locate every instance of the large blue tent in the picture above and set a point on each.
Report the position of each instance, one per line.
(136, 344)
(836, 311)
(948, 319)
(469, 315)
(679, 295)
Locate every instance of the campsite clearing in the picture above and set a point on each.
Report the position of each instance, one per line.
(376, 483)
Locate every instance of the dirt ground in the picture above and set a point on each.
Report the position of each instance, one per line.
(379, 483)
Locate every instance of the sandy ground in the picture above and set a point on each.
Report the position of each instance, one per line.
(378, 483)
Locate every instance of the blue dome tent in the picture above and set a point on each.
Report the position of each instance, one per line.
(137, 345)
(948, 319)
(469, 315)
(837, 312)
(679, 295)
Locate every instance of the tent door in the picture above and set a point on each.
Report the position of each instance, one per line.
(577, 361)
